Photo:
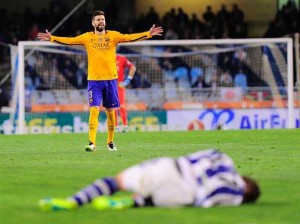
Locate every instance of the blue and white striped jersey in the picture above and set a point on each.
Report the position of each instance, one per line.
(214, 177)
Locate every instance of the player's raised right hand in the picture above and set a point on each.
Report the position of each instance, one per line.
(44, 36)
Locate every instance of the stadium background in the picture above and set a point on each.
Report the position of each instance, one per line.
(37, 166)
(21, 24)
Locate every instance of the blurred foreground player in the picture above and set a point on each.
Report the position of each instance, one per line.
(202, 179)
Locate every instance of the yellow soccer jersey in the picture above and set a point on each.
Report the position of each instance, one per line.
(101, 50)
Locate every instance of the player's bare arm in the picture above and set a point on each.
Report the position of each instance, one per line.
(156, 31)
(44, 36)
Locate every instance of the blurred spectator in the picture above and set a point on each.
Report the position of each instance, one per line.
(68, 68)
(196, 22)
(140, 80)
(32, 79)
(81, 75)
(33, 31)
(277, 27)
(195, 73)
(169, 19)
(236, 13)
(182, 17)
(213, 83)
(139, 23)
(144, 81)
(239, 30)
(285, 22)
(200, 83)
(170, 34)
(29, 85)
(225, 61)
(236, 25)
(182, 77)
(240, 80)
(291, 16)
(208, 15)
(223, 14)
(152, 16)
(226, 79)
(168, 71)
(239, 60)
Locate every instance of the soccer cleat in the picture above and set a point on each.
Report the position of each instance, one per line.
(56, 204)
(112, 203)
(90, 148)
(111, 146)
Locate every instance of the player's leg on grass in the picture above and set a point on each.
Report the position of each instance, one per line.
(93, 126)
(111, 102)
(122, 202)
(129, 180)
(111, 121)
(103, 186)
(112, 203)
(95, 98)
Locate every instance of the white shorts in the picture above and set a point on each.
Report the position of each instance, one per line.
(161, 180)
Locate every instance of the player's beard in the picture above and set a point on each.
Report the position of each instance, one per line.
(100, 28)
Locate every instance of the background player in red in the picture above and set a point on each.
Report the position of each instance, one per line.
(122, 64)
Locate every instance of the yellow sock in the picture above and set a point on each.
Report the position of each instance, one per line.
(93, 124)
(111, 122)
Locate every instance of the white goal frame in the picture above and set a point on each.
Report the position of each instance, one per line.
(21, 67)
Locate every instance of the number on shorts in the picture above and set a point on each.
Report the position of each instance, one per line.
(90, 94)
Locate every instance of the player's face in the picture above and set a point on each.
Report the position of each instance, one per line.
(99, 23)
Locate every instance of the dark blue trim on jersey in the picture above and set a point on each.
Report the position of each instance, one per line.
(199, 180)
(195, 160)
(219, 169)
(225, 190)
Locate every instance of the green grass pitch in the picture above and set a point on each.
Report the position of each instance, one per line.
(37, 166)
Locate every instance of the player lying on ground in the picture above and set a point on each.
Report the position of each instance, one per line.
(204, 179)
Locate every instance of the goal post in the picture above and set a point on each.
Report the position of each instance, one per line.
(138, 51)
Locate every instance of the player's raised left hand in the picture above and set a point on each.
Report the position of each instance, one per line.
(156, 31)
(44, 36)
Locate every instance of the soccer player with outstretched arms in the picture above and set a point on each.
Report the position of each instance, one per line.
(102, 70)
(205, 178)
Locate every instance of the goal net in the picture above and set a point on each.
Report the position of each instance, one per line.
(181, 75)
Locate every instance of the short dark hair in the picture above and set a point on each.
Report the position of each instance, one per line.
(252, 191)
(97, 13)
